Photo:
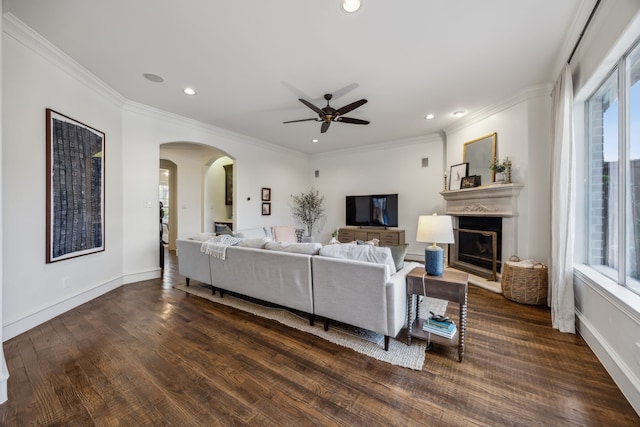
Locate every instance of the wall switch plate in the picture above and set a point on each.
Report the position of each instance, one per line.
(147, 204)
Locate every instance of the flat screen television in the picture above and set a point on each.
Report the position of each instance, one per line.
(379, 210)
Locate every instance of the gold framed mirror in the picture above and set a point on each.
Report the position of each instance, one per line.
(479, 153)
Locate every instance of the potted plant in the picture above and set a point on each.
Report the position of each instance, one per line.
(499, 167)
(307, 208)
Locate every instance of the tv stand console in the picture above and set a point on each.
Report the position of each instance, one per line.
(387, 236)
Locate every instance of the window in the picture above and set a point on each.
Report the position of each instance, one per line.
(613, 114)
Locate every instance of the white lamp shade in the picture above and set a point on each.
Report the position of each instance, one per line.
(435, 229)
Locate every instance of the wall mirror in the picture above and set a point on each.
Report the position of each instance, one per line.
(479, 153)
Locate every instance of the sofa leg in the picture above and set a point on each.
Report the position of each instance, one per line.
(213, 290)
(326, 324)
(386, 343)
(221, 293)
(187, 279)
(312, 319)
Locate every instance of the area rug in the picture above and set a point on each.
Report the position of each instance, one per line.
(360, 340)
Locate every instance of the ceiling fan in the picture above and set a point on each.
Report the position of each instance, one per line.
(329, 114)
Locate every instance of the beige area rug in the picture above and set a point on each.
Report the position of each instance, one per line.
(363, 341)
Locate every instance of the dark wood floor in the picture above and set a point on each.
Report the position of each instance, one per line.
(147, 354)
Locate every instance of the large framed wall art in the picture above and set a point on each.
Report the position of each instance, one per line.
(75, 188)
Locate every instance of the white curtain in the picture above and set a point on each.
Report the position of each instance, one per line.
(562, 206)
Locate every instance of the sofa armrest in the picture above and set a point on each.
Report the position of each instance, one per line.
(397, 297)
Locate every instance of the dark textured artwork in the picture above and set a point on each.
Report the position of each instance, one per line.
(75, 197)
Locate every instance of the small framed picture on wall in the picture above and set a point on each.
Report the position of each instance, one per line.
(266, 194)
(266, 209)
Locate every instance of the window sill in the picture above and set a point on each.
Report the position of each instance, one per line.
(617, 294)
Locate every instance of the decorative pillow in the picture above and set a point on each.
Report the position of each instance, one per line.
(398, 253)
(298, 248)
(366, 253)
(225, 230)
(268, 231)
(203, 237)
(285, 233)
(373, 242)
(250, 233)
(257, 243)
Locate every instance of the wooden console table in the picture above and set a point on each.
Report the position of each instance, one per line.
(451, 286)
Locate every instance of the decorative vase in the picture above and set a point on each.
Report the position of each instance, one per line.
(499, 176)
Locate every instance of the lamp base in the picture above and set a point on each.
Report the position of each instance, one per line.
(434, 260)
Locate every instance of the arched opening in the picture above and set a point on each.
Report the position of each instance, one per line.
(201, 194)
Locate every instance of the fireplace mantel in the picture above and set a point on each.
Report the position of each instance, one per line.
(498, 200)
(490, 200)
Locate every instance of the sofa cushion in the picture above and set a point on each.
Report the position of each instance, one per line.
(286, 233)
(374, 242)
(257, 243)
(201, 237)
(366, 253)
(299, 248)
(398, 253)
(250, 233)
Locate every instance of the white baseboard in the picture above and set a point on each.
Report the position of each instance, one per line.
(4, 377)
(154, 273)
(621, 374)
(40, 316)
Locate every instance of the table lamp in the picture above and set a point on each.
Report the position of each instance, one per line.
(434, 229)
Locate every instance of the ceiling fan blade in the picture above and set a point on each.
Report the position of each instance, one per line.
(302, 120)
(350, 107)
(324, 127)
(310, 105)
(352, 121)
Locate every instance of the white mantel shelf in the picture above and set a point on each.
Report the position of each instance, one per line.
(489, 200)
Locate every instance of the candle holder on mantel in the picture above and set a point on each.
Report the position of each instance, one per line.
(445, 181)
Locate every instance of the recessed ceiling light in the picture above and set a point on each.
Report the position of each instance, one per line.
(458, 113)
(350, 6)
(189, 91)
(153, 77)
(314, 140)
(429, 116)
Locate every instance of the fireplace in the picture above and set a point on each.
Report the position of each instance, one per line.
(479, 243)
(486, 220)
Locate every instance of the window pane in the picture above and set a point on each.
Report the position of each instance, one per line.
(633, 181)
(603, 197)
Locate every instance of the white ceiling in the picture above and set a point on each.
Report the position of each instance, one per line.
(250, 60)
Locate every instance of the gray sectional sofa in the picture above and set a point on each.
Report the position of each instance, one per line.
(353, 284)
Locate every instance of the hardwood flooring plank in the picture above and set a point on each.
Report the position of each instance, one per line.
(146, 354)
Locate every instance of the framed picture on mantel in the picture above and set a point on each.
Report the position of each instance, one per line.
(458, 172)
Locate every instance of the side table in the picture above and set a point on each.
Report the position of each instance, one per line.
(451, 286)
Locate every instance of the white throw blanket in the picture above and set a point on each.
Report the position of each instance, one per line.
(217, 245)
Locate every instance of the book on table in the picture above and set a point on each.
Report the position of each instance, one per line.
(447, 331)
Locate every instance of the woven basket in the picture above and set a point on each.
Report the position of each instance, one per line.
(526, 284)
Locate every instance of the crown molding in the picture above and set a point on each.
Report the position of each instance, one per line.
(484, 113)
(23, 34)
(214, 131)
(429, 138)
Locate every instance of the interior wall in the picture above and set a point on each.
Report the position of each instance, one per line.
(523, 127)
(395, 167)
(607, 314)
(257, 164)
(217, 210)
(4, 372)
(34, 78)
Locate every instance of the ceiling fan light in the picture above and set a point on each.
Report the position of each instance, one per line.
(350, 6)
